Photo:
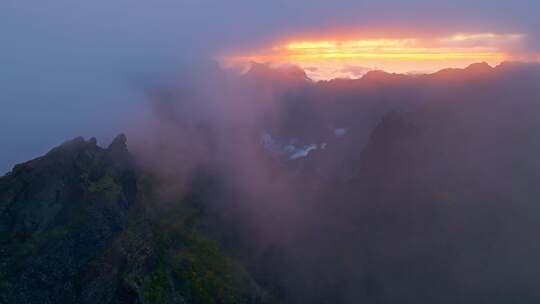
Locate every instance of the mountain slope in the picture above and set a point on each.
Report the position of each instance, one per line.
(76, 227)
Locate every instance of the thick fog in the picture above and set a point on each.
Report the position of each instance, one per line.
(389, 188)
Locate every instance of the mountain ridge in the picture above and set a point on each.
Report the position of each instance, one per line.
(76, 226)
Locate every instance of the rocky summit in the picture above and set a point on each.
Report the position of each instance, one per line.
(74, 228)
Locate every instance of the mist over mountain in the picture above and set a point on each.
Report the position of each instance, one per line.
(268, 187)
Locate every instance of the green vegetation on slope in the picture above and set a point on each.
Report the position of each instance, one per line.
(186, 266)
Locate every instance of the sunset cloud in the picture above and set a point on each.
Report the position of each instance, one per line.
(333, 57)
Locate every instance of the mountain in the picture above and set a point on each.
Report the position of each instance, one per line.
(444, 196)
(80, 225)
(435, 203)
(385, 189)
(312, 114)
(446, 204)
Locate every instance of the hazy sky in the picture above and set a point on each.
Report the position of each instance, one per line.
(72, 67)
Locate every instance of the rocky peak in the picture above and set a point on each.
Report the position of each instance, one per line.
(67, 206)
(119, 143)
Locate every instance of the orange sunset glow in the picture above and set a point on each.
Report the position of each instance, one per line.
(351, 57)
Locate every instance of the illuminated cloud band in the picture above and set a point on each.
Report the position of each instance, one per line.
(332, 58)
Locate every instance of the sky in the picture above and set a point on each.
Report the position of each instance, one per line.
(73, 67)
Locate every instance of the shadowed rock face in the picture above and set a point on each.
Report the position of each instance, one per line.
(82, 225)
(58, 213)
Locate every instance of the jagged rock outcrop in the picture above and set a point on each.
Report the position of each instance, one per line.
(57, 213)
(76, 227)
